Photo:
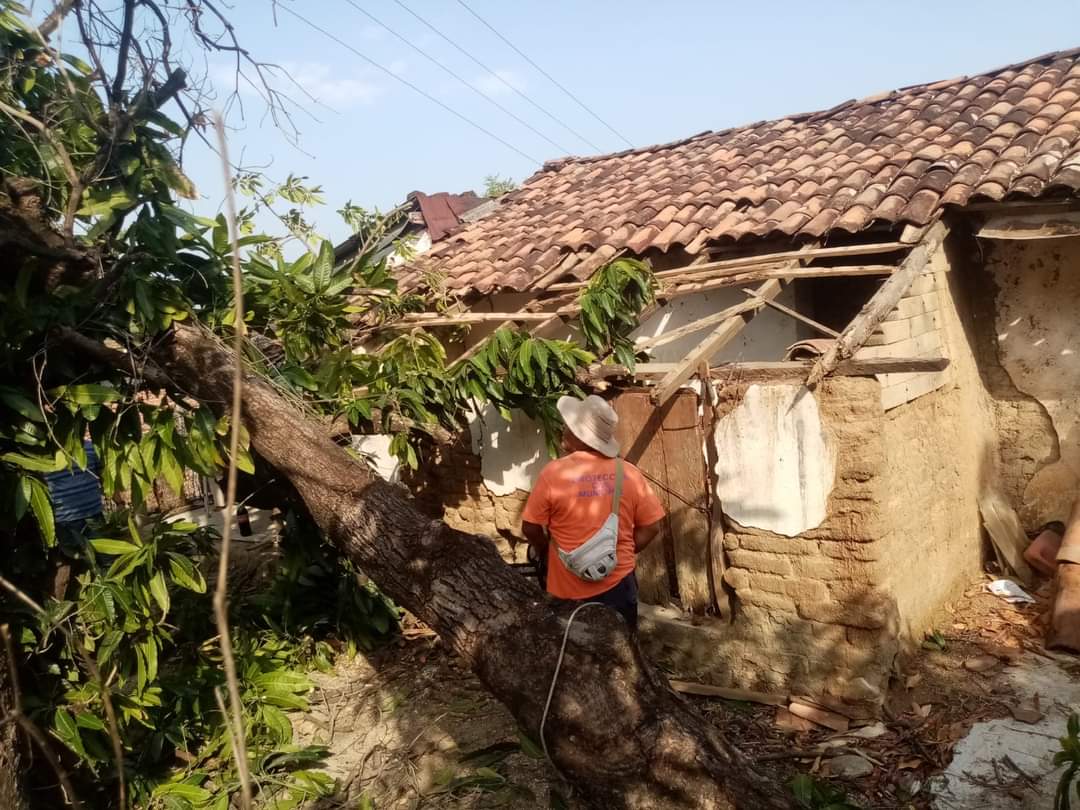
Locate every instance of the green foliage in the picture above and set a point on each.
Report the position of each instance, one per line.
(110, 252)
(141, 607)
(610, 305)
(496, 186)
(813, 794)
(1069, 756)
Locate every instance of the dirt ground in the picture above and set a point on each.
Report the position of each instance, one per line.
(410, 728)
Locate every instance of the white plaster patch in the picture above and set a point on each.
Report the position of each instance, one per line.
(1038, 291)
(376, 451)
(511, 453)
(776, 465)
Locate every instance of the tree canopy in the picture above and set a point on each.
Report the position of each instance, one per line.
(105, 262)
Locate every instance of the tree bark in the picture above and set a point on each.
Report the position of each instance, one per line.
(615, 731)
(12, 761)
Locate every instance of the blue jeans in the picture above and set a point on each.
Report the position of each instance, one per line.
(622, 598)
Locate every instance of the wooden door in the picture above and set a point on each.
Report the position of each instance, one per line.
(667, 445)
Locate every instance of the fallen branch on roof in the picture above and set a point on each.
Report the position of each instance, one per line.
(880, 305)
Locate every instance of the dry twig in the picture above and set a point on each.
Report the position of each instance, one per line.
(221, 597)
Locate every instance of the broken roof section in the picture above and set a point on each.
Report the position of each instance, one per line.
(897, 158)
(434, 214)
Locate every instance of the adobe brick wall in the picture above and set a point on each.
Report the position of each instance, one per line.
(450, 485)
(913, 329)
(811, 615)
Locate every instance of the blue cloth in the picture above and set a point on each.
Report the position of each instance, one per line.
(622, 598)
(76, 493)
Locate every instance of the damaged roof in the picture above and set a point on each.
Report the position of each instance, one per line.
(896, 158)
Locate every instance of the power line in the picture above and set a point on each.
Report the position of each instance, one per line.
(494, 73)
(437, 63)
(406, 82)
(550, 78)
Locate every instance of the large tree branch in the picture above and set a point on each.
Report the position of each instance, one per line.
(615, 729)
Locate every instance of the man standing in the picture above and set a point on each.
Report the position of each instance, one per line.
(591, 512)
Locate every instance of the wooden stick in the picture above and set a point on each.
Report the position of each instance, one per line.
(796, 315)
(769, 371)
(458, 318)
(698, 325)
(717, 556)
(235, 723)
(879, 306)
(727, 693)
(717, 339)
(735, 266)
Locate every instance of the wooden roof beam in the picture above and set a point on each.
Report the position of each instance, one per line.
(880, 305)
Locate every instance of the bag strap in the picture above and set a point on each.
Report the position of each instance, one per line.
(618, 486)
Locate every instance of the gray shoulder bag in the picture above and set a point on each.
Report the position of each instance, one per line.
(594, 559)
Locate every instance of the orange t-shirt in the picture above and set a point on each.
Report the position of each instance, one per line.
(573, 498)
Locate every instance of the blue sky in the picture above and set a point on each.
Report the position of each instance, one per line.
(655, 71)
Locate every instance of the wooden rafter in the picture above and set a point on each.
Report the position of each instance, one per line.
(796, 315)
(702, 270)
(698, 325)
(716, 340)
(463, 318)
(880, 305)
(769, 371)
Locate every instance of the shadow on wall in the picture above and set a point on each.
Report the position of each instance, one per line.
(842, 657)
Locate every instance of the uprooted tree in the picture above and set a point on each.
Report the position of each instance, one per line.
(117, 301)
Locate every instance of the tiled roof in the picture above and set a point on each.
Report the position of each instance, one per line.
(894, 158)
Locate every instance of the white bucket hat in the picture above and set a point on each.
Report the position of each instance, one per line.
(593, 421)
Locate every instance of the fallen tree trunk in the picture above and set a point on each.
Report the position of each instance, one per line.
(615, 730)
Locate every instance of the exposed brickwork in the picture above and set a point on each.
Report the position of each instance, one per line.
(798, 598)
(912, 329)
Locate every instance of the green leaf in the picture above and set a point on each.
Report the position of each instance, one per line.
(185, 574)
(324, 266)
(191, 793)
(91, 394)
(41, 464)
(23, 492)
(171, 469)
(43, 511)
(21, 404)
(115, 548)
(160, 591)
(67, 731)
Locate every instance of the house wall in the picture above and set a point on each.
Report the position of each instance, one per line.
(821, 603)
(912, 329)
(1036, 289)
(809, 613)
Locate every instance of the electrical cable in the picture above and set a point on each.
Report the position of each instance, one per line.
(457, 76)
(555, 676)
(550, 78)
(495, 73)
(407, 83)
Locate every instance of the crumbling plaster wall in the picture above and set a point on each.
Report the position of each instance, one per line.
(941, 451)
(1037, 334)
(811, 614)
